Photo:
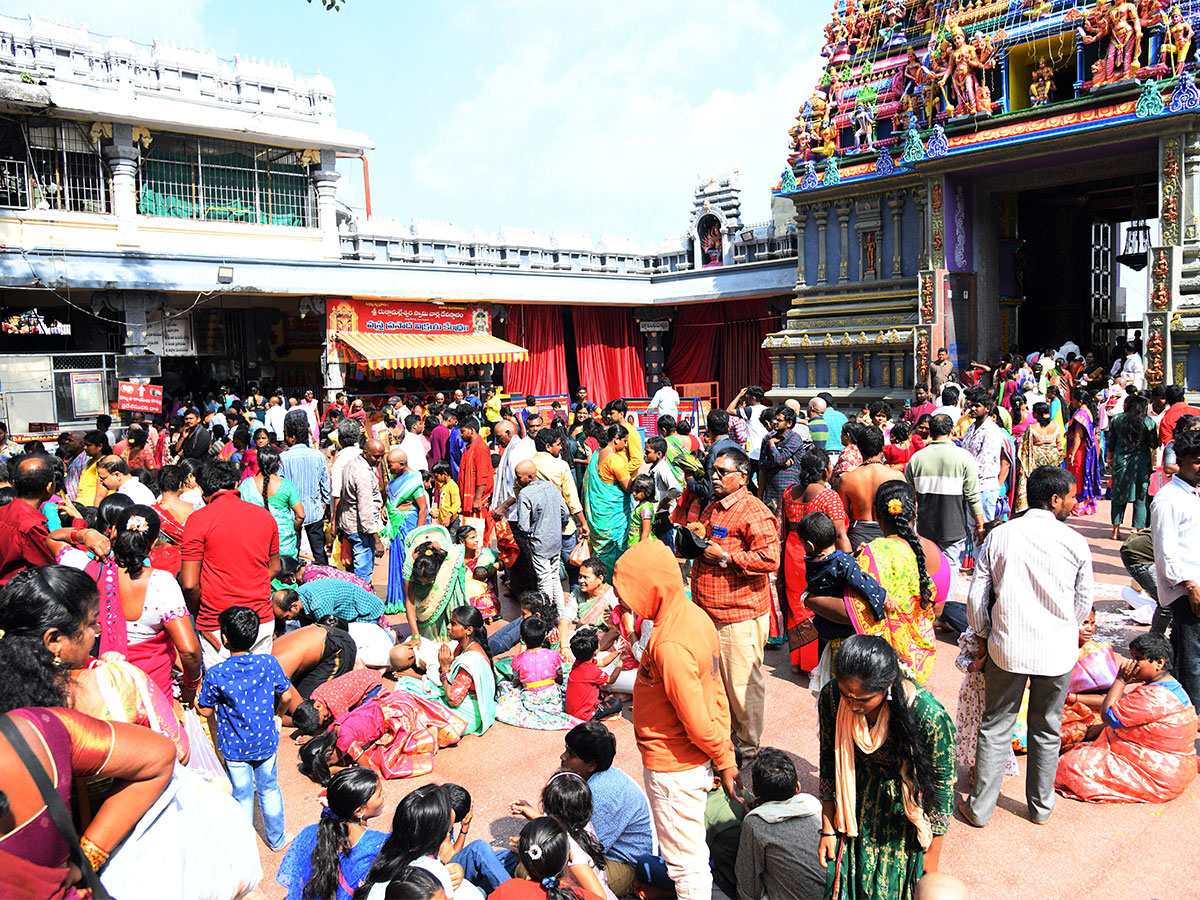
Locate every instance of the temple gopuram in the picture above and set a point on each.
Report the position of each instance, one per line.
(979, 176)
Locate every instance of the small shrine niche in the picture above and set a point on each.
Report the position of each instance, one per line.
(711, 246)
(869, 255)
(1042, 72)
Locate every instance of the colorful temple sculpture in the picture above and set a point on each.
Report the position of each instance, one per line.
(989, 175)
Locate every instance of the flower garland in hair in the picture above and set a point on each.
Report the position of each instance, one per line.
(137, 524)
(895, 507)
(533, 851)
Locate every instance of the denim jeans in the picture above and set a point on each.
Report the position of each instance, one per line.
(482, 866)
(249, 777)
(1185, 641)
(505, 638)
(363, 547)
(568, 546)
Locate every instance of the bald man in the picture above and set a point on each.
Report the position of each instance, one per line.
(818, 428)
(542, 516)
(405, 494)
(514, 450)
(358, 516)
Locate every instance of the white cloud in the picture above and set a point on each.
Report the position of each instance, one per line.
(612, 131)
(177, 21)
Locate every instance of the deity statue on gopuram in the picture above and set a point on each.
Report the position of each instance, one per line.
(1152, 14)
(835, 48)
(964, 71)
(1178, 42)
(1041, 89)
(1122, 25)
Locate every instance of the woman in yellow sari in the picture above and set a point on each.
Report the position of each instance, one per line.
(913, 573)
(1043, 444)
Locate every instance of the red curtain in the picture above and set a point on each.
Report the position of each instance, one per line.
(722, 342)
(539, 330)
(610, 353)
(694, 349)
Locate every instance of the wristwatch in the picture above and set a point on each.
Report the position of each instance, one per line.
(724, 563)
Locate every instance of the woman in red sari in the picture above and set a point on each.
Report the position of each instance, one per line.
(1146, 749)
(810, 494)
(173, 512)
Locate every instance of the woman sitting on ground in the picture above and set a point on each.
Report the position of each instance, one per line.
(421, 837)
(544, 850)
(1145, 752)
(465, 681)
(568, 800)
(331, 858)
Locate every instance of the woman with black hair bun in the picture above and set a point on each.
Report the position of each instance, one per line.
(886, 775)
(422, 837)
(913, 572)
(544, 850)
(435, 580)
(336, 853)
(142, 612)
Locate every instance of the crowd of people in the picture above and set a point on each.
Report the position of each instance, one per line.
(173, 601)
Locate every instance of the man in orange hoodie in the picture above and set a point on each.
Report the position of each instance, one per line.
(680, 714)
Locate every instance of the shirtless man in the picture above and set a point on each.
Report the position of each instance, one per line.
(857, 487)
(313, 655)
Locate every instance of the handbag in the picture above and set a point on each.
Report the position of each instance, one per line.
(804, 632)
(58, 811)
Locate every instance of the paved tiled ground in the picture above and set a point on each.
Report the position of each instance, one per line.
(1087, 851)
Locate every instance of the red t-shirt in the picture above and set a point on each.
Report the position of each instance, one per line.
(523, 889)
(233, 541)
(894, 456)
(23, 536)
(583, 689)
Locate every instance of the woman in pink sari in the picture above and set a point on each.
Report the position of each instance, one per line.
(1083, 457)
(1145, 751)
(142, 613)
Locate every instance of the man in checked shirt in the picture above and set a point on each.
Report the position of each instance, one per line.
(732, 583)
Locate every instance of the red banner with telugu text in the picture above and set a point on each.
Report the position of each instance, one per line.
(404, 317)
(146, 398)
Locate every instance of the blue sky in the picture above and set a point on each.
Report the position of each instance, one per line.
(578, 117)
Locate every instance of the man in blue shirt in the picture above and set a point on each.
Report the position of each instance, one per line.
(313, 600)
(306, 469)
(836, 422)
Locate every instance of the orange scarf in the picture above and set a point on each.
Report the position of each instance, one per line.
(851, 730)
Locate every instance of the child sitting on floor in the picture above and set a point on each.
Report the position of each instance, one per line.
(584, 698)
(534, 696)
(641, 523)
(481, 566)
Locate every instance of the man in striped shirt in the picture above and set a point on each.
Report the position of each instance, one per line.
(1031, 590)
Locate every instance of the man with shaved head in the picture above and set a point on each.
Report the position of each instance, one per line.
(541, 517)
(358, 515)
(513, 450)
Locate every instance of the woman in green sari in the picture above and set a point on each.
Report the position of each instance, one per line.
(435, 580)
(465, 682)
(1132, 437)
(887, 775)
(407, 508)
(279, 497)
(606, 498)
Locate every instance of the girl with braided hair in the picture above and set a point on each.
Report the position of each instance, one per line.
(913, 572)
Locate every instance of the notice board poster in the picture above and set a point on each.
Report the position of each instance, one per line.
(87, 394)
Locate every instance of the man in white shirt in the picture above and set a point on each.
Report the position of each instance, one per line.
(1175, 527)
(504, 498)
(1031, 590)
(1133, 369)
(665, 401)
(273, 419)
(984, 441)
(412, 445)
(113, 472)
(951, 396)
(756, 428)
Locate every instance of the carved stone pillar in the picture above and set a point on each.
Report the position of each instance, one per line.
(821, 214)
(123, 164)
(810, 362)
(896, 205)
(843, 214)
(835, 365)
(919, 200)
(885, 368)
(325, 179)
(801, 220)
(898, 379)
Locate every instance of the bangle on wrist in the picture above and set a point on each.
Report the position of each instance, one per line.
(828, 834)
(96, 856)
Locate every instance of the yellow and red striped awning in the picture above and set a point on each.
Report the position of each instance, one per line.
(420, 351)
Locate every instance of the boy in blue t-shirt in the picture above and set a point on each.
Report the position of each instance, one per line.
(242, 692)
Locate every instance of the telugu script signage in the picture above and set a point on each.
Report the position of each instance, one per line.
(145, 398)
(370, 317)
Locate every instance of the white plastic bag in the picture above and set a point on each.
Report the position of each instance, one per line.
(203, 760)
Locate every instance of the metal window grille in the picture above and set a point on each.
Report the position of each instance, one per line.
(51, 165)
(1101, 277)
(203, 178)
